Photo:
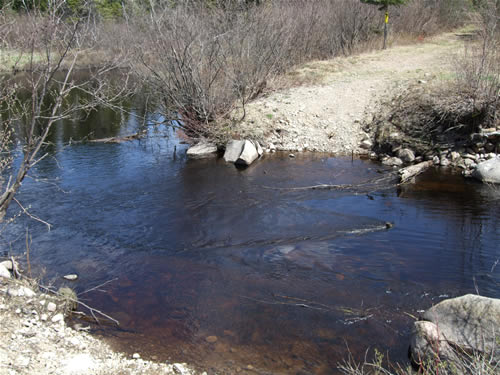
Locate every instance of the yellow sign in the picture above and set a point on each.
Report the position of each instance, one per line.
(386, 17)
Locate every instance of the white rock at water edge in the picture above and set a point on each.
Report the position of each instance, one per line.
(7, 264)
(202, 150)
(71, 277)
(4, 272)
(488, 171)
(233, 150)
(248, 155)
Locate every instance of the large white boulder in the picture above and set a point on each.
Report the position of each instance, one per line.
(201, 150)
(248, 155)
(488, 171)
(233, 150)
(465, 324)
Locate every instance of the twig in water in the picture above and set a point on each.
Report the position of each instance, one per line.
(98, 286)
(91, 309)
(494, 265)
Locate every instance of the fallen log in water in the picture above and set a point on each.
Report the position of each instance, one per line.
(119, 139)
(405, 174)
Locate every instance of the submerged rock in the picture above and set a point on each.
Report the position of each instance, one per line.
(488, 171)
(459, 325)
(202, 150)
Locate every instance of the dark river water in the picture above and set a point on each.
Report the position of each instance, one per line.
(288, 281)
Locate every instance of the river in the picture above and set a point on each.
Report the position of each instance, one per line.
(233, 270)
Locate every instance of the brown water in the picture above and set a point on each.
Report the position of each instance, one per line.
(287, 280)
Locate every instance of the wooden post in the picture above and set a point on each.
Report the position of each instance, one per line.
(386, 24)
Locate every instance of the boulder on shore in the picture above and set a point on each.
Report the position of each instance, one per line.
(455, 326)
(406, 155)
(394, 162)
(201, 150)
(233, 150)
(488, 171)
(248, 155)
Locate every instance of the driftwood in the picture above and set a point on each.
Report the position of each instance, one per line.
(407, 173)
(119, 139)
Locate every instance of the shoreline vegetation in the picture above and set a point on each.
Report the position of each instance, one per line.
(206, 64)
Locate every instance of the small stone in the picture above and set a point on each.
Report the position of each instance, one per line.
(18, 311)
(291, 155)
(455, 156)
(12, 292)
(27, 292)
(250, 367)
(4, 272)
(22, 361)
(395, 162)
(366, 144)
(44, 317)
(74, 341)
(444, 162)
(180, 368)
(136, 356)
(71, 277)
(436, 160)
(211, 339)
(51, 307)
(57, 318)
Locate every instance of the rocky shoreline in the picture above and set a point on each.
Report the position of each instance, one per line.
(36, 338)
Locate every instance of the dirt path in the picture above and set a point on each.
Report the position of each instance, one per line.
(327, 115)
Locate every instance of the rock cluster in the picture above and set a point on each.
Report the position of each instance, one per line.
(242, 152)
(479, 159)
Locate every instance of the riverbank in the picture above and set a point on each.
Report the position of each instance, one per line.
(37, 339)
(331, 111)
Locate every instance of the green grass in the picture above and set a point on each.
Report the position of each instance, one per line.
(10, 59)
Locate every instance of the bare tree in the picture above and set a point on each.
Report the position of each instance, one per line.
(35, 94)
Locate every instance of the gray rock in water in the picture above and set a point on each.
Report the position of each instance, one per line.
(202, 150)
(233, 150)
(248, 155)
(465, 324)
(488, 171)
(393, 161)
(4, 272)
(406, 155)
